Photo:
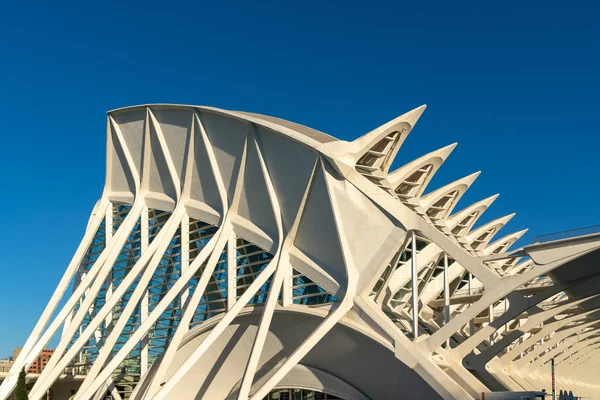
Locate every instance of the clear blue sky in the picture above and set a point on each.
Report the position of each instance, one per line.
(516, 84)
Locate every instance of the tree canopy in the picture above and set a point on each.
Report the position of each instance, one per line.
(21, 390)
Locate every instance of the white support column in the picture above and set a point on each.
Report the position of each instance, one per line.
(100, 374)
(147, 264)
(184, 240)
(542, 341)
(80, 332)
(286, 291)
(522, 338)
(108, 232)
(218, 242)
(415, 287)
(470, 278)
(446, 296)
(144, 237)
(505, 310)
(380, 296)
(471, 321)
(108, 224)
(231, 270)
(228, 317)
(261, 335)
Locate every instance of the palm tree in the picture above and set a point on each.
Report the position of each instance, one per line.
(21, 391)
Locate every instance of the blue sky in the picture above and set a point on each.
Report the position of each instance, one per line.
(516, 84)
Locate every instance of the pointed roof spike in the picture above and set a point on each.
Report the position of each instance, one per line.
(435, 158)
(497, 223)
(413, 115)
(522, 232)
(493, 197)
(158, 155)
(463, 183)
(411, 180)
(402, 124)
(481, 206)
(409, 118)
(512, 238)
(468, 180)
(432, 199)
(523, 263)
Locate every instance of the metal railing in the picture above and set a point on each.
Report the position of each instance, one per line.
(567, 234)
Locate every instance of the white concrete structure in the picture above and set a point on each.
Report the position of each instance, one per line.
(233, 254)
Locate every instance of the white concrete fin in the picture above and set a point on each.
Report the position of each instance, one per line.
(480, 237)
(254, 203)
(131, 123)
(204, 192)
(372, 232)
(290, 166)
(461, 222)
(410, 180)
(176, 124)
(376, 150)
(227, 136)
(121, 183)
(303, 265)
(522, 264)
(503, 244)
(440, 203)
(158, 176)
(506, 264)
(318, 236)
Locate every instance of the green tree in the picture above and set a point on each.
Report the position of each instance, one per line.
(21, 391)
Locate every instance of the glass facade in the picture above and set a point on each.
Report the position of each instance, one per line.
(307, 292)
(250, 261)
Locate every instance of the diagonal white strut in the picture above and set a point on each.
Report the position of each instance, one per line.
(59, 361)
(99, 371)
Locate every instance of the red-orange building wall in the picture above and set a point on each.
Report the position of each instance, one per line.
(40, 362)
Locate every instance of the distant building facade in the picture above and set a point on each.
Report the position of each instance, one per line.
(38, 365)
(16, 353)
(6, 364)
